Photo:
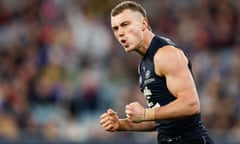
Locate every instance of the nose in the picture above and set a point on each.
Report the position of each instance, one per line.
(120, 32)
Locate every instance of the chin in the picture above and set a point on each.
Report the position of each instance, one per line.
(128, 49)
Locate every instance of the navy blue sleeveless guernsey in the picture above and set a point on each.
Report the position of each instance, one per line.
(157, 94)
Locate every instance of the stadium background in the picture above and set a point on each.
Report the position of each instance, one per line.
(60, 67)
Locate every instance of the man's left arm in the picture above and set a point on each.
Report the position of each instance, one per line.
(171, 63)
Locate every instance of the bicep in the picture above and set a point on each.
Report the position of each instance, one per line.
(180, 82)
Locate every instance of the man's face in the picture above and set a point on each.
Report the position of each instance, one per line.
(128, 29)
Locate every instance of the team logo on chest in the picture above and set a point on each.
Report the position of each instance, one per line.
(147, 74)
(148, 78)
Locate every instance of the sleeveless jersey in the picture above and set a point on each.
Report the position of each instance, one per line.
(157, 94)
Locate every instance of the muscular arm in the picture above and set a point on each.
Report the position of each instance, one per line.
(173, 64)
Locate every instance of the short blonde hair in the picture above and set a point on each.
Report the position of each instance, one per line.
(128, 5)
(131, 5)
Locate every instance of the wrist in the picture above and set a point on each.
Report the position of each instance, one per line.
(121, 126)
(149, 114)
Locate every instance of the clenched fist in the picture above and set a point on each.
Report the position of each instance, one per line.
(110, 121)
(135, 112)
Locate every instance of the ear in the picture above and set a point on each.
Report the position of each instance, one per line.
(144, 24)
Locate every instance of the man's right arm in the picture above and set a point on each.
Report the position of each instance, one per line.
(110, 122)
(126, 125)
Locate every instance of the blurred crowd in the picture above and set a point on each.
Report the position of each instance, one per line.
(60, 66)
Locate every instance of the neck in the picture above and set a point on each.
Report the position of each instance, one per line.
(147, 39)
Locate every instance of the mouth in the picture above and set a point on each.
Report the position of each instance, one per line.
(123, 42)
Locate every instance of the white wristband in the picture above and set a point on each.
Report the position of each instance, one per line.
(149, 114)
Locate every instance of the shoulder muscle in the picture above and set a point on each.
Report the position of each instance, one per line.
(168, 60)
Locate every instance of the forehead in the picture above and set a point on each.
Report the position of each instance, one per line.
(126, 15)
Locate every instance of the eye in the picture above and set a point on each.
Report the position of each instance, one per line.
(124, 24)
(115, 28)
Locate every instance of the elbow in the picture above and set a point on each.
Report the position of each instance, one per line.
(193, 108)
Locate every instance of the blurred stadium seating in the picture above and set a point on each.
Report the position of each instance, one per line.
(60, 67)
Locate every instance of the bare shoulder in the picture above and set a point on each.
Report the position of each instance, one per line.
(169, 59)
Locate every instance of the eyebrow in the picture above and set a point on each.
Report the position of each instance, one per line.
(121, 24)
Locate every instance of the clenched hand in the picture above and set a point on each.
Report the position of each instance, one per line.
(109, 121)
(135, 112)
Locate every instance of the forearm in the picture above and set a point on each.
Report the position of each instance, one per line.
(175, 109)
(126, 125)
